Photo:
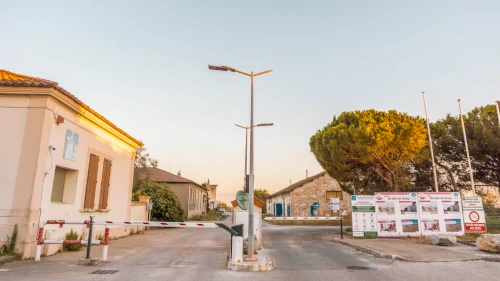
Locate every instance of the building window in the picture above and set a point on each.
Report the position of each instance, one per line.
(64, 186)
(106, 173)
(90, 188)
(333, 194)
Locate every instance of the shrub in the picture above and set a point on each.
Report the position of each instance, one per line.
(73, 235)
(166, 205)
(10, 245)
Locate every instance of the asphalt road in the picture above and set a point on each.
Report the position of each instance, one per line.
(300, 253)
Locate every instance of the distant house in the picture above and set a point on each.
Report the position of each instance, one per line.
(296, 199)
(60, 160)
(192, 196)
(212, 196)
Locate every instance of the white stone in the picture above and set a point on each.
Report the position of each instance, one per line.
(489, 243)
(442, 239)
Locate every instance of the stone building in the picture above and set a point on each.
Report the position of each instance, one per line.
(297, 199)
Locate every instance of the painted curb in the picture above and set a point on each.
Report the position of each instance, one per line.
(400, 258)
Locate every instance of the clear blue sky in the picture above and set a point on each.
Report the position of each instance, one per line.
(143, 65)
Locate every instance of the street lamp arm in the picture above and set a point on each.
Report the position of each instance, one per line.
(241, 126)
(226, 68)
(264, 124)
(263, 72)
(239, 71)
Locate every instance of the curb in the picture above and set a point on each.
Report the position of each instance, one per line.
(8, 259)
(270, 262)
(400, 258)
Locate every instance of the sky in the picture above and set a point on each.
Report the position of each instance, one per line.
(143, 65)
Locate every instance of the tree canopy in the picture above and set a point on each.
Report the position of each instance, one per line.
(370, 150)
(483, 138)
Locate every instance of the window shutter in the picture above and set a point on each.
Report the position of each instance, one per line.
(91, 182)
(334, 194)
(106, 172)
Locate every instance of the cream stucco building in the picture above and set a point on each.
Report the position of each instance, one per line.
(194, 198)
(60, 160)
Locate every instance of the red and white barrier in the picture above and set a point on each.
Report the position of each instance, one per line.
(107, 223)
(301, 218)
(41, 241)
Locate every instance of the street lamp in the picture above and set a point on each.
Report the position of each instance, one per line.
(246, 146)
(251, 176)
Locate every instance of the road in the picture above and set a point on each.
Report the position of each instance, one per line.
(300, 253)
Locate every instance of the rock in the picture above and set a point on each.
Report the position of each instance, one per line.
(489, 243)
(442, 239)
(256, 245)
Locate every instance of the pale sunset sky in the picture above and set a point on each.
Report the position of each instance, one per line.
(143, 65)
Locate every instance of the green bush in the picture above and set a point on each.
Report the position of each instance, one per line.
(166, 205)
(10, 245)
(73, 235)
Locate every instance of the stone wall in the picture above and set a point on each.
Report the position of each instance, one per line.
(303, 197)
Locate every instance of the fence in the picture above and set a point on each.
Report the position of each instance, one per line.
(493, 222)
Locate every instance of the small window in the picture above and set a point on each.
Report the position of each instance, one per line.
(64, 186)
(333, 194)
(58, 185)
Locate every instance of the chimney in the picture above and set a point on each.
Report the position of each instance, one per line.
(179, 173)
(307, 174)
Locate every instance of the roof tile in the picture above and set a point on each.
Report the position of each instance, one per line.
(297, 184)
(11, 79)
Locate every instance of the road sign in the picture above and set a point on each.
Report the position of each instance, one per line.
(335, 207)
(472, 203)
(316, 205)
(475, 221)
(334, 201)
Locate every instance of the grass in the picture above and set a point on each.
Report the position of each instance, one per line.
(212, 215)
(345, 222)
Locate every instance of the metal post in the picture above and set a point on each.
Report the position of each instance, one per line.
(467, 150)
(498, 111)
(246, 156)
(430, 145)
(89, 244)
(251, 179)
(341, 228)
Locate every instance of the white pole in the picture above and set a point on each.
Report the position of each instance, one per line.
(251, 181)
(498, 111)
(467, 150)
(430, 145)
(38, 252)
(105, 253)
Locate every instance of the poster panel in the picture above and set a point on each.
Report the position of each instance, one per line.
(474, 216)
(397, 214)
(440, 212)
(363, 216)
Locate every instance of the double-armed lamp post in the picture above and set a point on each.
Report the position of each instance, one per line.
(246, 148)
(252, 75)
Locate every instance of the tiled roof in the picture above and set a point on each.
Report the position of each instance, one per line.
(159, 175)
(11, 79)
(297, 184)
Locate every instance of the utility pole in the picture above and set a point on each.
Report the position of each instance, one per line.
(467, 150)
(498, 111)
(430, 144)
